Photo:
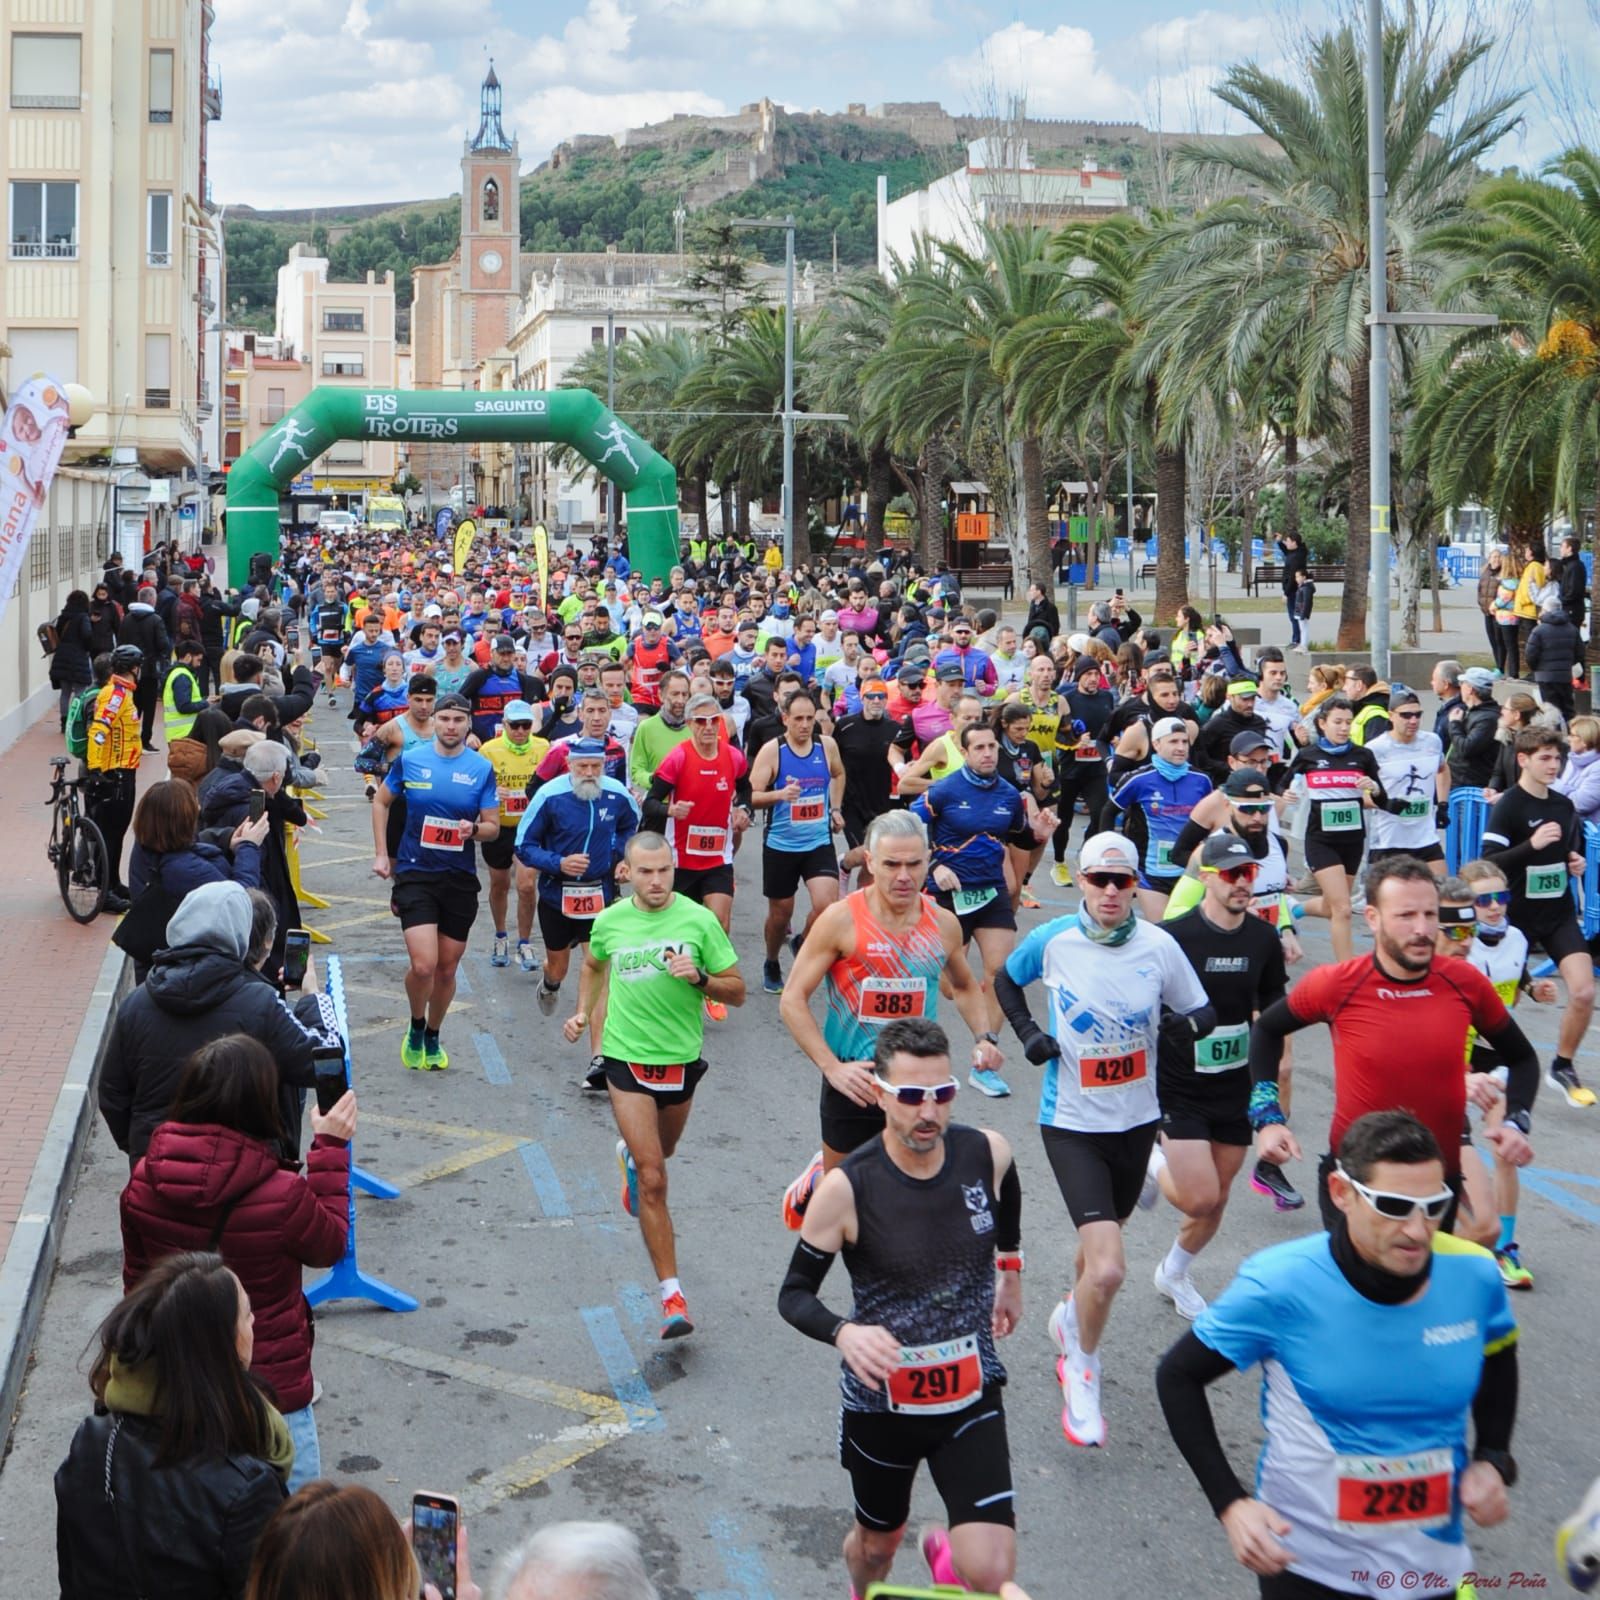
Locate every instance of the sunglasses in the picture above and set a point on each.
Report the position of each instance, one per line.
(1407, 716)
(516, 724)
(874, 697)
(1245, 872)
(1459, 932)
(916, 1094)
(1252, 808)
(1399, 1207)
(1495, 897)
(705, 722)
(1110, 880)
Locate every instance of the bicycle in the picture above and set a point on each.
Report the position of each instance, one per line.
(77, 847)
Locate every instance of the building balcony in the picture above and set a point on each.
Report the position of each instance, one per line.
(44, 249)
(211, 97)
(204, 407)
(233, 412)
(158, 399)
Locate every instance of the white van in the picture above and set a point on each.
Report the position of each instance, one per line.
(336, 522)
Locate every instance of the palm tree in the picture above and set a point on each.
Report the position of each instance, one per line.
(1286, 268)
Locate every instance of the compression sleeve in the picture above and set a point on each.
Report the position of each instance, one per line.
(655, 804)
(1008, 1212)
(1494, 1407)
(1267, 1034)
(1015, 1005)
(1522, 1063)
(1191, 837)
(798, 1303)
(1181, 1381)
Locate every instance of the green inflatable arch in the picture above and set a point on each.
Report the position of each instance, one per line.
(573, 417)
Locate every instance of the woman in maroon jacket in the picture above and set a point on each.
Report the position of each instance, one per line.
(212, 1179)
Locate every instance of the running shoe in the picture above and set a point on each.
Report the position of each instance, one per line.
(716, 1011)
(1268, 1179)
(675, 1321)
(935, 1545)
(795, 941)
(1061, 875)
(1150, 1190)
(1512, 1272)
(630, 1179)
(1063, 1326)
(798, 1195)
(987, 1081)
(333, 700)
(526, 959)
(500, 956)
(547, 999)
(1180, 1291)
(772, 977)
(1566, 1080)
(434, 1058)
(1081, 1419)
(412, 1054)
(1027, 899)
(594, 1080)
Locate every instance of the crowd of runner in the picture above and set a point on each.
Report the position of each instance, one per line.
(902, 762)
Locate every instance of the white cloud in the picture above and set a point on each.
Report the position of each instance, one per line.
(1060, 72)
(547, 116)
(808, 17)
(1216, 36)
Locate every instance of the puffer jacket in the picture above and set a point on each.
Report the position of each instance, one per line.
(71, 663)
(1580, 783)
(225, 803)
(1474, 748)
(196, 1178)
(179, 871)
(1553, 649)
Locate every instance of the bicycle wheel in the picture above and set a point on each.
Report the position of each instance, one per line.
(83, 870)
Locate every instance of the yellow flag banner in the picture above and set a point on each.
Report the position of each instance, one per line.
(465, 534)
(541, 557)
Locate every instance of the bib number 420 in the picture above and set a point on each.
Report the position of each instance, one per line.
(1111, 1072)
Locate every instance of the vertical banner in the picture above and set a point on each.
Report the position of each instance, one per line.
(32, 436)
(465, 534)
(541, 557)
(441, 523)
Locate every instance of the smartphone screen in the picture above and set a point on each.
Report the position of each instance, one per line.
(332, 1079)
(296, 956)
(258, 804)
(435, 1519)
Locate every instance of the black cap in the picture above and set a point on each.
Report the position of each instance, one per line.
(1084, 664)
(1245, 783)
(452, 702)
(950, 673)
(1251, 740)
(1224, 850)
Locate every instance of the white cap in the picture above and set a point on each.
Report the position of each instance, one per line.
(1108, 850)
(1168, 725)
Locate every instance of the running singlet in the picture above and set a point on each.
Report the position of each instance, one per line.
(889, 976)
(922, 1266)
(1164, 804)
(645, 669)
(1541, 898)
(704, 838)
(652, 1017)
(1105, 1013)
(1364, 1407)
(1370, 1013)
(443, 795)
(384, 704)
(1503, 963)
(1332, 783)
(490, 699)
(1407, 773)
(514, 766)
(803, 824)
(1044, 722)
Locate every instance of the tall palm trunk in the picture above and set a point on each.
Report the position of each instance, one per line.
(1358, 543)
(1172, 577)
(729, 508)
(880, 491)
(1031, 521)
(933, 469)
(702, 499)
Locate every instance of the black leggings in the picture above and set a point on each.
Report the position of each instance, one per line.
(1085, 780)
(1497, 644)
(1509, 648)
(1291, 1586)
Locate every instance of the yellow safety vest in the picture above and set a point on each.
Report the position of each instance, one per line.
(177, 723)
(1368, 714)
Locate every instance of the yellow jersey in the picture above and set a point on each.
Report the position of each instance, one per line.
(514, 765)
(114, 730)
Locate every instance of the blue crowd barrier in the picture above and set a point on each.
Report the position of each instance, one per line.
(346, 1281)
(1468, 815)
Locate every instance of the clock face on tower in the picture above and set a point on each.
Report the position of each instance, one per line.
(490, 261)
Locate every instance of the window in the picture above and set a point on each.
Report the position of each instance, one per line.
(160, 249)
(39, 563)
(344, 322)
(491, 200)
(44, 221)
(275, 407)
(45, 71)
(161, 86)
(346, 452)
(351, 365)
(158, 371)
(51, 350)
(597, 336)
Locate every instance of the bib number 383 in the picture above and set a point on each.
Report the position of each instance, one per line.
(886, 999)
(934, 1378)
(1096, 1073)
(1382, 1491)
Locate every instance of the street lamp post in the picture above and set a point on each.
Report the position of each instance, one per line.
(787, 224)
(611, 406)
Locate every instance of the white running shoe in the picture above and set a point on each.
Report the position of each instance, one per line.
(547, 998)
(1081, 1419)
(1064, 1328)
(1180, 1291)
(1150, 1191)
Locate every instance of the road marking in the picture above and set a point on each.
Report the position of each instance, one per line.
(483, 1145)
(356, 922)
(494, 1064)
(639, 1303)
(1546, 1182)
(627, 1381)
(742, 1563)
(552, 1197)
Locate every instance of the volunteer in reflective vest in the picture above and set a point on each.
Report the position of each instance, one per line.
(181, 700)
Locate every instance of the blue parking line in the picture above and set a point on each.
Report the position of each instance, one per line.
(1547, 1182)
(463, 982)
(742, 1562)
(642, 1307)
(622, 1371)
(546, 1185)
(494, 1064)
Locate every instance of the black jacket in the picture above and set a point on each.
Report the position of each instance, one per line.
(1211, 748)
(1474, 749)
(182, 1533)
(1042, 614)
(105, 621)
(1553, 649)
(72, 664)
(1574, 582)
(225, 804)
(141, 626)
(214, 611)
(1295, 560)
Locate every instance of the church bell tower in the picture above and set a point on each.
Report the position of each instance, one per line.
(491, 193)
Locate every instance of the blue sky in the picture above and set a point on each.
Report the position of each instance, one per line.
(367, 100)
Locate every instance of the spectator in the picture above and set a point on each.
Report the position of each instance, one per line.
(598, 1560)
(142, 627)
(167, 1487)
(1530, 596)
(1517, 713)
(1503, 608)
(1473, 748)
(1488, 587)
(1446, 683)
(1043, 621)
(200, 987)
(1554, 653)
(1573, 581)
(72, 661)
(105, 620)
(211, 1178)
(1295, 557)
(1580, 778)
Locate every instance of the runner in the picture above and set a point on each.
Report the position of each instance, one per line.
(329, 623)
(929, 1217)
(661, 732)
(665, 955)
(1534, 836)
(1154, 801)
(800, 779)
(414, 725)
(489, 690)
(942, 754)
(1081, 750)
(648, 657)
(878, 955)
(1205, 1083)
(1396, 993)
(1376, 1340)
(1106, 976)
(451, 800)
(1023, 766)
(515, 756)
(594, 722)
(874, 748)
(1414, 777)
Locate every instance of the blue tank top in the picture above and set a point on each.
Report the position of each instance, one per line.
(813, 826)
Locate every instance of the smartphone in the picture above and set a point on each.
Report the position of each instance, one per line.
(333, 1081)
(296, 957)
(258, 804)
(435, 1523)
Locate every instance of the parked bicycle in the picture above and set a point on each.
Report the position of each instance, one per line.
(77, 847)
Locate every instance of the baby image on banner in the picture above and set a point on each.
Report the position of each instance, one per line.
(32, 437)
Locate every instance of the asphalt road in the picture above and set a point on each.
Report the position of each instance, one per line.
(530, 1381)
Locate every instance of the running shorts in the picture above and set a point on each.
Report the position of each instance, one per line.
(500, 851)
(996, 913)
(1223, 1120)
(1421, 852)
(1558, 942)
(1343, 851)
(666, 1085)
(783, 871)
(695, 883)
(447, 901)
(845, 1125)
(1100, 1174)
(559, 931)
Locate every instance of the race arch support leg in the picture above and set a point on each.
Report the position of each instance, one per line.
(653, 524)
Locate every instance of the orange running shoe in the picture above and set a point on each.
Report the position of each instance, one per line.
(798, 1195)
(675, 1323)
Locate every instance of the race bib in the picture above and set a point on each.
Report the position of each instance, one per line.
(811, 809)
(582, 901)
(704, 841)
(1415, 809)
(889, 999)
(1163, 854)
(1547, 883)
(1223, 1048)
(1266, 908)
(935, 1378)
(513, 803)
(1097, 1073)
(1341, 816)
(1086, 752)
(1384, 1491)
(659, 1079)
(445, 833)
(965, 901)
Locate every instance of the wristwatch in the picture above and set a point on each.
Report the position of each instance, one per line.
(988, 1038)
(1502, 1461)
(1010, 1262)
(701, 978)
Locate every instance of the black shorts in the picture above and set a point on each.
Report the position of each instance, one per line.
(695, 883)
(855, 829)
(333, 652)
(1223, 1118)
(1330, 1212)
(624, 1080)
(1157, 883)
(1022, 839)
(783, 871)
(966, 1452)
(500, 851)
(845, 1125)
(1100, 1174)
(1335, 850)
(995, 913)
(1421, 852)
(1564, 939)
(447, 901)
(559, 931)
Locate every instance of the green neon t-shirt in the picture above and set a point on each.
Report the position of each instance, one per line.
(651, 1016)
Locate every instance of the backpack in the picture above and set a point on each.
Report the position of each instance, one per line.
(79, 715)
(48, 637)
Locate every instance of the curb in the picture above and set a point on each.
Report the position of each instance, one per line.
(30, 1258)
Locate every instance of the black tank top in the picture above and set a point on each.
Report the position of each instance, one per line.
(922, 1265)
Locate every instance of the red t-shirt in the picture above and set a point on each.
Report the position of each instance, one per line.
(1399, 1045)
(705, 838)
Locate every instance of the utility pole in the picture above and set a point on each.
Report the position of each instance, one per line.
(611, 406)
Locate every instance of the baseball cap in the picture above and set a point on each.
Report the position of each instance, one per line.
(1245, 783)
(577, 749)
(1168, 725)
(909, 669)
(1244, 686)
(652, 619)
(451, 638)
(1403, 696)
(451, 702)
(1243, 744)
(1108, 850)
(517, 711)
(950, 672)
(1223, 849)
(1480, 678)
(432, 611)
(961, 622)
(829, 616)
(503, 641)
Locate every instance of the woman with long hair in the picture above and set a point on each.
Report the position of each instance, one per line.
(1488, 587)
(1321, 684)
(167, 1486)
(105, 621)
(1023, 765)
(1503, 608)
(72, 660)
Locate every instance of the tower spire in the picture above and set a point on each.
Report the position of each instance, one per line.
(491, 135)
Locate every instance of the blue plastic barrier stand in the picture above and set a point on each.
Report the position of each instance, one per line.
(1468, 814)
(347, 1281)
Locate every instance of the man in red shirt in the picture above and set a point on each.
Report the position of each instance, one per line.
(1399, 1023)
